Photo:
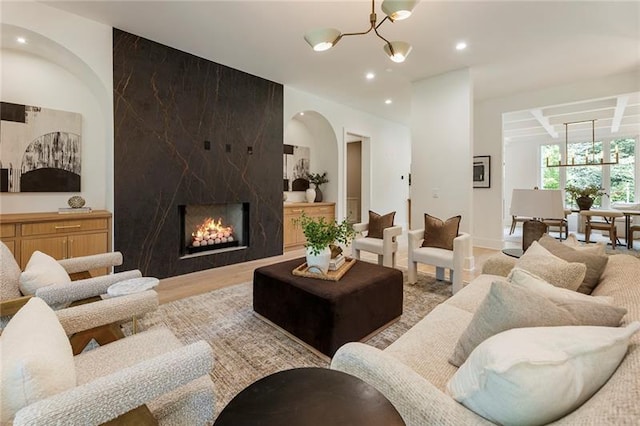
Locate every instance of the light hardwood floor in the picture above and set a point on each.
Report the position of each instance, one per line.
(182, 286)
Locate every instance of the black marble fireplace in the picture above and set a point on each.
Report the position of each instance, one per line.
(189, 132)
(213, 228)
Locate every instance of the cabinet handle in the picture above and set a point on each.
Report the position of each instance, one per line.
(67, 226)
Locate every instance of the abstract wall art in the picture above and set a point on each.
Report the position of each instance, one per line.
(40, 149)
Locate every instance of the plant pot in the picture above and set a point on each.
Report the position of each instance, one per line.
(584, 203)
(318, 198)
(318, 263)
(311, 195)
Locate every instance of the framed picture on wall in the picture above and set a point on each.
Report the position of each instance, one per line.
(482, 171)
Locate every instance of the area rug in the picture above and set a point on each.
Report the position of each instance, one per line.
(247, 349)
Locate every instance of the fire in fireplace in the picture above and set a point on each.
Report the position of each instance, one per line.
(213, 227)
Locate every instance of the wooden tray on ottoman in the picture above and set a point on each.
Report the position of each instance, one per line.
(303, 271)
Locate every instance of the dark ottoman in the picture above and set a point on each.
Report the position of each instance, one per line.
(328, 314)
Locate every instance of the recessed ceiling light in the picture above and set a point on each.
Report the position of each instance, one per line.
(370, 76)
(388, 101)
(461, 45)
(21, 40)
(302, 113)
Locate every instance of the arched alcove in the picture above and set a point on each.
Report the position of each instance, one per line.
(313, 130)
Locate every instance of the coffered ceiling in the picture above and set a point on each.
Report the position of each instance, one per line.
(513, 46)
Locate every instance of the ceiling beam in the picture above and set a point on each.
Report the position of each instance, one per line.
(544, 122)
(621, 104)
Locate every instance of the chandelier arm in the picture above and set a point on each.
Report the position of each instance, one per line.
(386, 41)
(385, 18)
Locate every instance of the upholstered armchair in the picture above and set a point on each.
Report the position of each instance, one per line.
(110, 312)
(141, 379)
(440, 258)
(385, 247)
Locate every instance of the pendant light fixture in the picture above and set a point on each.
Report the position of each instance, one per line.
(395, 10)
(589, 158)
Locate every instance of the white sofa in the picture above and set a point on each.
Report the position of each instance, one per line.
(413, 371)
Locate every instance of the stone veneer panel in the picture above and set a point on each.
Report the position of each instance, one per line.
(167, 103)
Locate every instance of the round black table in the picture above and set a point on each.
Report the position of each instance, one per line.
(309, 396)
(513, 252)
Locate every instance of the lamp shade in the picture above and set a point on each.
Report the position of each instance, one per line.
(538, 203)
(398, 10)
(322, 38)
(400, 50)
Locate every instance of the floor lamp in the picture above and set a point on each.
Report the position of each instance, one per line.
(538, 204)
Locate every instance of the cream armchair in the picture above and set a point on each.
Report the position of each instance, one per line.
(440, 258)
(386, 248)
(60, 295)
(142, 379)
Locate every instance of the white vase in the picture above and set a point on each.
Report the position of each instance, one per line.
(311, 195)
(318, 263)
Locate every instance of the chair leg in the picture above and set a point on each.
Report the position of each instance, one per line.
(356, 253)
(412, 272)
(513, 226)
(587, 233)
(388, 260)
(439, 273)
(380, 260)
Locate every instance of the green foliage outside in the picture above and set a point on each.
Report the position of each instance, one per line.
(622, 179)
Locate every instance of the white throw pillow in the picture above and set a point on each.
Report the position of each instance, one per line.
(532, 376)
(37, 359)
(541, 262)
(42, 270)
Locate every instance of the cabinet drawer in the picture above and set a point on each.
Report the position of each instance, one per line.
(321, 210)
(7, 230)
(63, 226)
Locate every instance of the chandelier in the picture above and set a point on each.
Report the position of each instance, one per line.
(589, 159)
(396, 10)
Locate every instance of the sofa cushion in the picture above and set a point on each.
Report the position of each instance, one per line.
(439, 233)
(37, 360)
(378, 223)
(506, 307)
(595, 263)
(546, 372)
(9, 274)
(592, 248)
(552, 269)
(42, 270)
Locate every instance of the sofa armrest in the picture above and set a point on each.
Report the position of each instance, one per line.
(113, 310)
(418, 401)
(391, 233)
(96, 261)
(499, 264)
(359, 228)
(57, 295)
(110, 396)
(415, 238)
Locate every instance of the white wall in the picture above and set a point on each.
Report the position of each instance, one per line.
(520, 171)
(487, 203)
(389, 152)
(65, 65)
(441, 148)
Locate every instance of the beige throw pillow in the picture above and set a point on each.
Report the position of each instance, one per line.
(552, 269)
(377, 224)
(595, 263)
(597, 248)
(42, 270)
(439, 233)
(37, 360)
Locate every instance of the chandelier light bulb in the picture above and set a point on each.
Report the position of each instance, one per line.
(400, 51)
(398, 10)
(322, 38)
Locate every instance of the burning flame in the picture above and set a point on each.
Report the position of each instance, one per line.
(212, 232)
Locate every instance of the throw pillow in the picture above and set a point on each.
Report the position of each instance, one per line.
(377, 224)
(597, 248)
(37, 360)
(42, 270)
(440, 234)
(595, 263)
(9, 274)
(506, 307)
(532, 376)
(587, 310)
(541, 262)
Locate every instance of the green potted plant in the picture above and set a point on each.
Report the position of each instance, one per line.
(317, 179)
(320, 233)
(584, 196)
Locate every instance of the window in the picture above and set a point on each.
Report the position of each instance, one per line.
(618, 180)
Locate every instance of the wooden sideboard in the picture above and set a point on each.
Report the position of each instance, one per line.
(293, 236)
(61, 236)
